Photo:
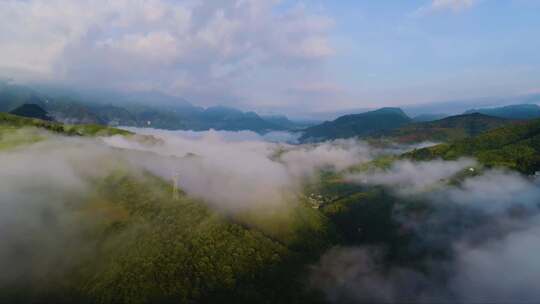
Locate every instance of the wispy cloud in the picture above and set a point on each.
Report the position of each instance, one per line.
(445, 5)
(230, 184)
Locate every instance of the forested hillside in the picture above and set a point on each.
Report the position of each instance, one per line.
(10, 121)
(129, 240)
(447, 129)
(514, 146)
(140, 246)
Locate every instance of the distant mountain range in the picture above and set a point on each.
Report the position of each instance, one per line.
(147, 109)
(157, 110)
(393, 123)
(519, 111)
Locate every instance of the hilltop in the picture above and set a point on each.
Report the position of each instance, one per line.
(357, 125)
(11, 122)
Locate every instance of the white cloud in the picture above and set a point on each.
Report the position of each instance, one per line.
(40, 203)
(198, 49)
(238, 170)
(488, 226)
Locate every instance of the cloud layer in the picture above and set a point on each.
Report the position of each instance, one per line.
(444, 5)
(238, 170)
(45, 185)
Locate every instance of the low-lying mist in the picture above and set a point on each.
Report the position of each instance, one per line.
(483, 232)
(237, 170)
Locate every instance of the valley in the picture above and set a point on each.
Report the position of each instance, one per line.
(131, 240)
(272, 152)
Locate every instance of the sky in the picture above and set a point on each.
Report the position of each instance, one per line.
(283, 56)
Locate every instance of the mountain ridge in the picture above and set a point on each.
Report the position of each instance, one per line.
(516, 111)
(446, 129)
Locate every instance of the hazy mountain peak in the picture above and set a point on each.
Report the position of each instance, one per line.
(393, 110)
(31, 111)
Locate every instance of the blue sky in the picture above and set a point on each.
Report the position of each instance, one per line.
(282, 56)
(390, 53)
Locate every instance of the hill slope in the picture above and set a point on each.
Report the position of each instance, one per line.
(357, 125)
(520, 111)
(514, 146)
(148, 248)
(447, 129)
(31, 111)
